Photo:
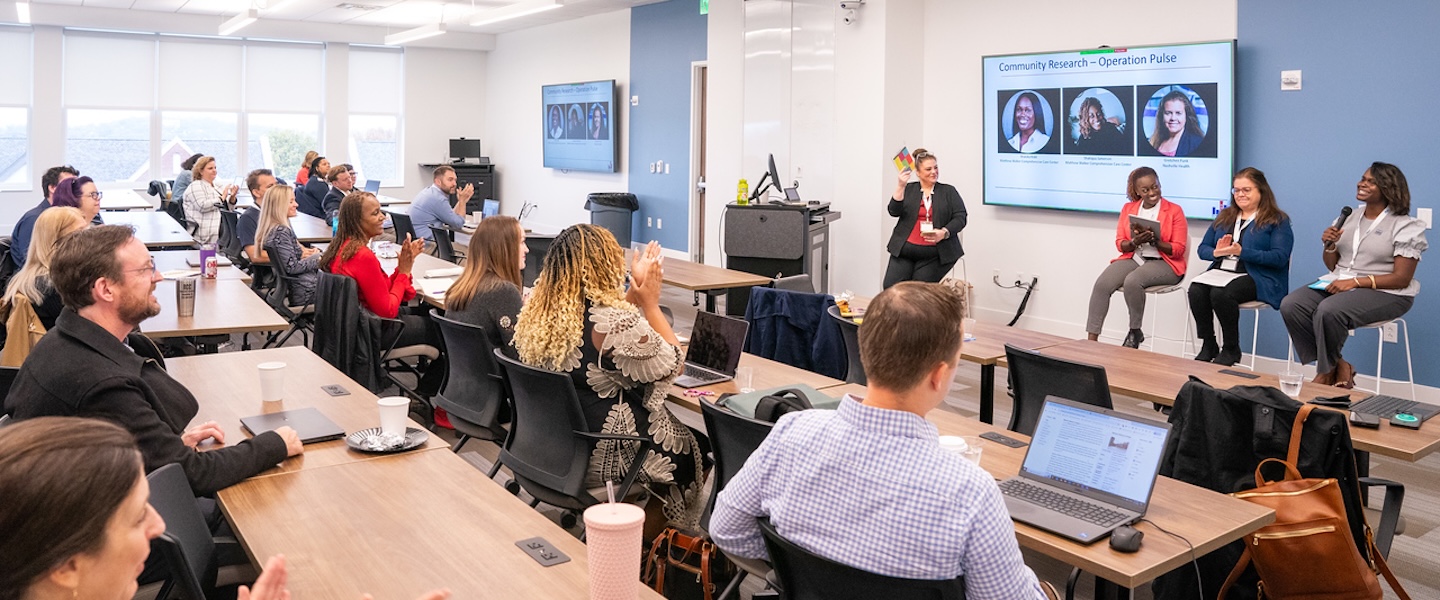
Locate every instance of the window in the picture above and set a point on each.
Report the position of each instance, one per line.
(15, 72)
(109, 145)
(377, 84)
(279, 142)
(283, 120)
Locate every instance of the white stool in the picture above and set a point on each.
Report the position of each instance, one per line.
(1258, 307)
(1157, 290)
(1380, 352)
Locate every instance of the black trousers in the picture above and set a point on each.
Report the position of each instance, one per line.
(916, 263)
(1209, 304)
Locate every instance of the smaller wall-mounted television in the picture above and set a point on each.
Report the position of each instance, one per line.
(578, 126)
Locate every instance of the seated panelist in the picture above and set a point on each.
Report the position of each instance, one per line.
(1145, 259)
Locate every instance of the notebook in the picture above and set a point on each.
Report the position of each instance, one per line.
(309, 423)
(1087, 471)
(716, 343)
(372, 186)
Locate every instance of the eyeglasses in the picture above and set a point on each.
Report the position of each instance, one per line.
(150, 268)
(96, 195)
(1245, 191)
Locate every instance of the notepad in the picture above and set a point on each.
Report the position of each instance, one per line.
(444, 272)
(436, 288)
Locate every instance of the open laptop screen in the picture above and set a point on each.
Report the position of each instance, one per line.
(372, 186)
(1090, 449)
(716, 342)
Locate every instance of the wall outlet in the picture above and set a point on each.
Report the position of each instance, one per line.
(1424, 214)
(659, 223)
(667, 168)
(649, 221)
(1391, 333)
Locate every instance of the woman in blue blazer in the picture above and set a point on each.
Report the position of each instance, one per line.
(1249, 249)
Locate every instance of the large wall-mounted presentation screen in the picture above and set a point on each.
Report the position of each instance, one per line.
(1064, 129)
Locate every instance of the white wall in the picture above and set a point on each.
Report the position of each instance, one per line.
(445, 97)
(908, 73)
(587, 49)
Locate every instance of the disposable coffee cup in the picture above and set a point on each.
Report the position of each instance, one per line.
(475, 217)
(613, 532)
(185, 297)
(393, 410)
(952, 443)
(272, 381)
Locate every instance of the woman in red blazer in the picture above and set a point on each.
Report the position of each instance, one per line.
(1144, 260)
(384, 294)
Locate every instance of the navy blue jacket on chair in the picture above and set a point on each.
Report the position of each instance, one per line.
(792, 328)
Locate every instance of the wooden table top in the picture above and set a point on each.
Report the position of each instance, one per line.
(172, 262)
(699, 277)
(988, 347)
(399, 526)
(768, 374)
(1158, 378)
(310, 229)
(227, 386)
(153, 227)
(423, 264)
(221, 306)
(125, 199)
(1208, 519)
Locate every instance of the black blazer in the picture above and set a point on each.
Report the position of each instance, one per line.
(948, 208)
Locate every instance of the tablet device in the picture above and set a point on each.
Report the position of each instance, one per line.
(309, 423)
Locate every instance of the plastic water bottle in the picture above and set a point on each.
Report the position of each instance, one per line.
(742, 194)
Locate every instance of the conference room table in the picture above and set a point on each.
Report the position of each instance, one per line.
(392, 525)
(157, 229)
(1208, 519)
(125, 199)
(768, 374)
(309, 230)
(222, 306)
(1157, 378)
(175, 264)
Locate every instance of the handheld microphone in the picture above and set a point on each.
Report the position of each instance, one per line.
(1344, 214)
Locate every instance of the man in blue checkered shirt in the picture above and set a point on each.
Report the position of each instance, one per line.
(868, 485)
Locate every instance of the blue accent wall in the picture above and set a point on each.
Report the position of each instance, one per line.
(664, 39)
(1369, 78)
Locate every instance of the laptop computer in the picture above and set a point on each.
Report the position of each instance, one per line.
(716, 343)
(1088, 470)
(372, 186)
(490, 208)
(309, 423)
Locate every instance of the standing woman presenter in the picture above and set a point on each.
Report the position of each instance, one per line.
(923, 246)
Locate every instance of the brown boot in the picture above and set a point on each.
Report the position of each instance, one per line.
(1344, 375)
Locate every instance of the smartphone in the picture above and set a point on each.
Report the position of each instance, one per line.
(1367, 421)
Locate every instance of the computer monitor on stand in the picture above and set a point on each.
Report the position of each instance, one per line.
(773, 178)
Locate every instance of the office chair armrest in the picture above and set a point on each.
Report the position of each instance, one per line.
(386, 327)
(646, 445)
(1389, 511)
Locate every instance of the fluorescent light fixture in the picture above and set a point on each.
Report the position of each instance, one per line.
(239, 21)
(22, 11)
(515, 11)
(418, 33)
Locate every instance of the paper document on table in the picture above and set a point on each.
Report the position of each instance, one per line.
(444, 272)
(178, 273)
(1216, 277)
(435, 287)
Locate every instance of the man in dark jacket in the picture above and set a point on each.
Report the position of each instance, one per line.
(93, 365)
(342, 182)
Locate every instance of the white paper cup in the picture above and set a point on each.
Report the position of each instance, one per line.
(745, 379)
(952, 443)
(476, 217)
(393, 410)
(272, 381)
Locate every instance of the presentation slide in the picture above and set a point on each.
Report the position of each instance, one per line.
(1066, 128)
(579, 130)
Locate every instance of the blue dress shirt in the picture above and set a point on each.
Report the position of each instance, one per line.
(431, 208)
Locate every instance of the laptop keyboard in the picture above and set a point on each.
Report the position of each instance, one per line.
(1061, 503)
(697, 373)
(1386, 407)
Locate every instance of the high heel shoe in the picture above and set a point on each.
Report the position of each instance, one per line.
(1228, 356)
(1208, 350)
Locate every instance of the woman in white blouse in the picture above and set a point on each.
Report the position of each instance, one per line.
(1372, 257)
(203, 201)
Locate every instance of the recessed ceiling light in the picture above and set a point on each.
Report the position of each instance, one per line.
(239, 21)
(354, 6)
(22, 11)
(515, 11)
(418, 33)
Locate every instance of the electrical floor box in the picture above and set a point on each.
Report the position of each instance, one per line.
(777, 240)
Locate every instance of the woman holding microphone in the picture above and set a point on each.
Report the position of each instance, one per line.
(923, 246)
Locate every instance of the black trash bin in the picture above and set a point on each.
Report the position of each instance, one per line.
(614, 211)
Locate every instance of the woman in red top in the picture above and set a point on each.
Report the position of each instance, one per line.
(1144, 260)
(349, 254)
(303, 175)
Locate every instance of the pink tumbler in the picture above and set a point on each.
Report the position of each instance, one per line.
(612, 534)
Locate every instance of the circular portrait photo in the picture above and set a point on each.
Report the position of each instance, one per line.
(554, 123)
(599, 127)
(1099, 121)
(1027, 121)
(1176, 121)
(575, 123)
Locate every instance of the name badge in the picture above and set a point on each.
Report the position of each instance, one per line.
(1230, 263)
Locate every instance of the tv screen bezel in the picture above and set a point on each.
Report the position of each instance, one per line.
(614, 126)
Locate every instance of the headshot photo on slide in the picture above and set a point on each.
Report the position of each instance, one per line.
(599, 128)
(1176, 121)
(575, 123)
(555, 123)
(1028, 124)
(1099, 120)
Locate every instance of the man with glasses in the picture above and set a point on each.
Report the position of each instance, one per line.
(342, 182)
(94, 364)
(20, 237)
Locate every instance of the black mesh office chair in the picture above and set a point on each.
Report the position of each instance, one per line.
(444, 247)
(186, 548)
(1033, 376)
(733, 438)
(805, 576)
(474, 392)
(550, 443)
(403, 226)
(353, 339)
(231, 246)
(301, 318)
(850, 332)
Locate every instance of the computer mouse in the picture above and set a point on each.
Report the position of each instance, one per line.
(1126, 539)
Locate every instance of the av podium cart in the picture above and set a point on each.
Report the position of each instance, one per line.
(777, 240)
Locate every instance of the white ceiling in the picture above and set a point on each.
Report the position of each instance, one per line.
(393, 15)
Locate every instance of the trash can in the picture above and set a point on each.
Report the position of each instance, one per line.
(613, 211)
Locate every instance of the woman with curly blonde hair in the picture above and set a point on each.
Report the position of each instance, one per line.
(621, 355)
